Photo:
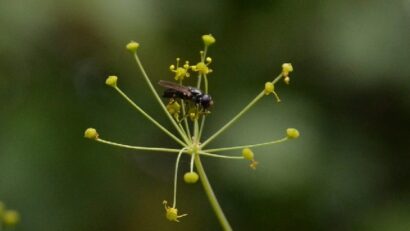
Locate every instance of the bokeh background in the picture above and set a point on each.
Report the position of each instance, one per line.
(349, 97)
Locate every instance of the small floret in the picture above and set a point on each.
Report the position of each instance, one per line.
(174, 108)
(111, 81)
(11, 217)
(172, 213)
(208, 39)
(286, 69)
(286, 79)
(292, 133)
(180, 72)
(202, 68)
(191, 177)
(247, 153)
(91, 133)
(132, 46)
(269, 88)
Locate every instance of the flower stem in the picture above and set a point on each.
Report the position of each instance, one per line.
(203, 116)
(137, 147)
(187, 128)
(206, 84)
(211, 195)
(198, 85)
(154, 92)
(174, 203)
(221, 156)
(246, 146)
(201, 128)
(234, 119)
(196, 131)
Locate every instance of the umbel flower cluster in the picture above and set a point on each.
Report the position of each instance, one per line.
(187, 109)
(8, 217)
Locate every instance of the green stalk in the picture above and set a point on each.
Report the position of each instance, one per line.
(247, 146)
(201, 128)
(211, 195)
(203, 116)
(221, 156)
(196, 131)
(187, 128)
(198, 85)
(174, 203)
(206, 84)
(138, 147)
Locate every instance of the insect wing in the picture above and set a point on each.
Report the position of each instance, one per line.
(179, 88)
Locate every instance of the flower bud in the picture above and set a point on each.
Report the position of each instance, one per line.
(202, 68)
(208, 39)
(173, 107)
(269, 88)
(132, 46)
(171, 213)
(191, 177)
(181, 73)
(193, 113)
(247, 154)
(292, 133)
(111, 81)
(11, 217)
(286, 79)
(91, 133)
(286, 68)
(186, 65)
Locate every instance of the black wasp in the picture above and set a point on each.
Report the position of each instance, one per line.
(176, 91)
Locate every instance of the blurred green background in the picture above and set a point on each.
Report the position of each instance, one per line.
(349, 97)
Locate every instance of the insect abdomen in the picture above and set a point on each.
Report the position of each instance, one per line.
(171, 93)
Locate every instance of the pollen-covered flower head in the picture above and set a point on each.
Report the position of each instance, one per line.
(202, 67)
(208, 39)
(132, 46)
(174, 108)
(180, 72)
(171, 213)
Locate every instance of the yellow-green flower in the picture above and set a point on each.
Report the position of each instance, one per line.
(180, 72)
(171, 213)
(292, 133)
(191, 177)
(91, 133)
(208, 39)
(132, 46)
(11, 217)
